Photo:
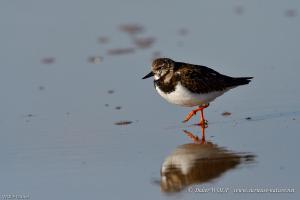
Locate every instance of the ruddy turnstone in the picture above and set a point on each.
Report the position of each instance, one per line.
(198, 163)
(191, 85)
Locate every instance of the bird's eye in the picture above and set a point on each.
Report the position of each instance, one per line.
(160, 67)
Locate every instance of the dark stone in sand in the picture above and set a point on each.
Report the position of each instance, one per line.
(120, 51)
(118, 107)
(123, 123)
(226, 113)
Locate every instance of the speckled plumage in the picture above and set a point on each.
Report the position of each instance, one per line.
(188, 84)
(199, 79)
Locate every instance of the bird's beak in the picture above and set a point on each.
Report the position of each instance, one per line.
(148, 75)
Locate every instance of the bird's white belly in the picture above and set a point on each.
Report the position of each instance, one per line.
(182, 96)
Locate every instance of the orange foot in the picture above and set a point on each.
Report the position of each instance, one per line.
(203, 122)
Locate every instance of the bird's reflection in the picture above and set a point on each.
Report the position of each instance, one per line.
(197, 163)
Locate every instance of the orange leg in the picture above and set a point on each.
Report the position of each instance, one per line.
(193, 112)
(195, 138)
(203, 134)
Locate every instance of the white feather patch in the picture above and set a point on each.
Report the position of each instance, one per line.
(183, 97)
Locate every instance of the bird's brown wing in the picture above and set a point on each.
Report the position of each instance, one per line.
(201, 79)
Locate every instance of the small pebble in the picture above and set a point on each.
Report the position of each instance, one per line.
(48, 60)
(132, 28)
(239, 10)
(118, 107)
(110, 91)
(144, 42)
(291, 13)
(95, 59)
(183, 31)
(41, 87)
(120, 51)
(123, 123)
(226, 113)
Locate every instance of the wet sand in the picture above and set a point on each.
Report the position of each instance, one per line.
(77, 121)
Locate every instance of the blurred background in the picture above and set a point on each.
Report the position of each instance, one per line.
(77, 121)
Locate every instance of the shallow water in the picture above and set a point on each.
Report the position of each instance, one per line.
(59, 107)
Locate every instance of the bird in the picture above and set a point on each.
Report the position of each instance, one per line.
(194, 164)
(191, 85)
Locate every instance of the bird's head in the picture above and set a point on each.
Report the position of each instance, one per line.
(160, 67)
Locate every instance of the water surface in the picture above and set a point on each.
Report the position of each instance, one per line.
(64, 86)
